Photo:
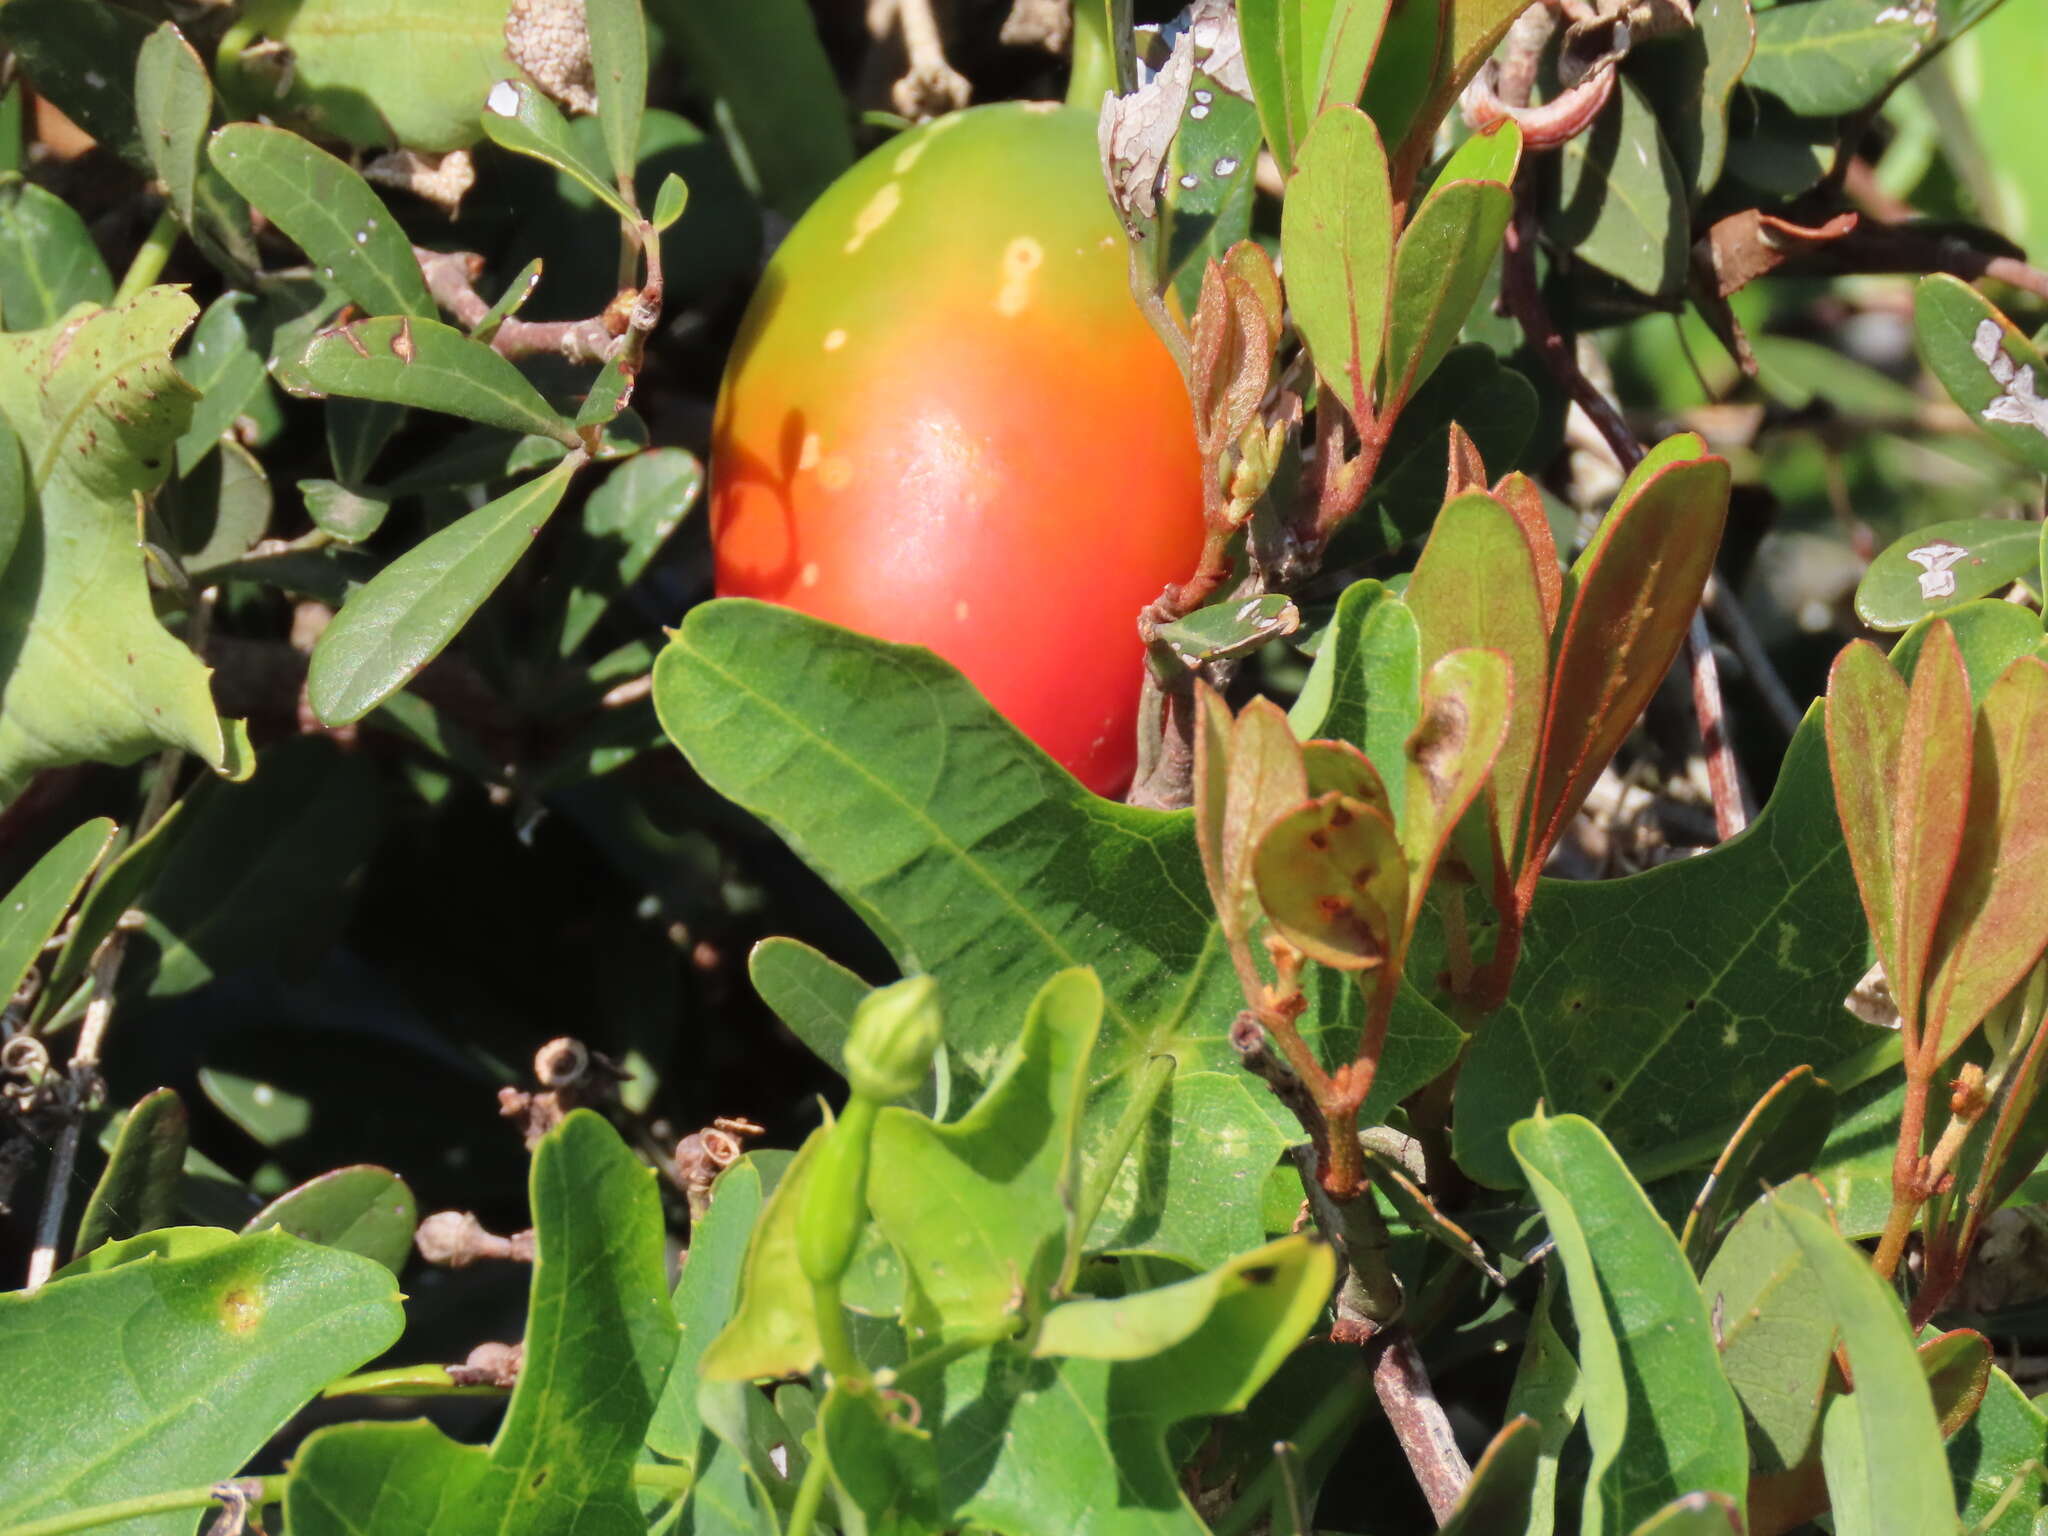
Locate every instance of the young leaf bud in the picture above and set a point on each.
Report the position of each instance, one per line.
(895, 1034)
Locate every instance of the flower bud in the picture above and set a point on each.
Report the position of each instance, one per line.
(895, 1034)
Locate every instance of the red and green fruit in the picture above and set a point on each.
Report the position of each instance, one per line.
(946, 423)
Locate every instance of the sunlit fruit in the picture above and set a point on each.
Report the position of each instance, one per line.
(946, 423)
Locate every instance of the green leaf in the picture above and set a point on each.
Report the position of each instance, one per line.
(625, 522)
(1709, 979)
(82, 57)
(174, 1371)
(1230, 629)
(1441, 264)
(1775, 1329)
(980, 1210)
(1992, 929)
(261, 876)
(508, 303)
(1404, 75)
(773, 1329)
(618, 64)
(329, 212)
(86, 671)
(1620, 203)
(1902, 1475)
(365, 1210)
(1497, 1499)
(48, 262)
(1997, 1462)
(139, 1191)
(703, 1302)
(1661, 1419)
(882, 1464)
(1211, 1131)
(1248, 770)
(350, 516)
(1304, 56)
(34, 909)
(1690, 75)
(1987, 365)
(357, 432)
(1992, 635)
(1829, 57)
(224, 361)
(1495, 404)
(426, 364)
(992, 875)
(163, 1243)
(122, 883)
(1337, 241)
(412, 608)
(1994, 67)
(669, 202)
(519, 118)
(599, 1338)
(1366, 685)
(771, 90)
(1632, 594)
(1476, 586)
(1783, 1135)
(1076, 1427)
(1549, 1389)
(1946, 565)
(810, 992)
(1205, 205)
(173, 108)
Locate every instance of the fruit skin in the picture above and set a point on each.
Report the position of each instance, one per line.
(946, 423)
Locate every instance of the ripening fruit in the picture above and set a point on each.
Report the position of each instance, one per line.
(946, 423)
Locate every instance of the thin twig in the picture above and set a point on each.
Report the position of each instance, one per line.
(1525, 302)
(1401, 1382)
(1725, 609)
(451, 278)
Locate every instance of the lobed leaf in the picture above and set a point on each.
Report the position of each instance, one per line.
(600, 1336)
(980, 1210)
(172, 1370)
(1662, 1005)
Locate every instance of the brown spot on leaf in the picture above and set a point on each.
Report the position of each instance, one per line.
(1439, 741)
(241, 1309)
(401, 341)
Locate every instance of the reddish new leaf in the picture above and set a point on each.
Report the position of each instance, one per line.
(1467, 698)
(1866, 722)
(1994, 925)
(1524, 501)
(1338, 765)
(1332, 879)
(1247, 772)
(1476, 585)
(1634, 592)
(1930, 803)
